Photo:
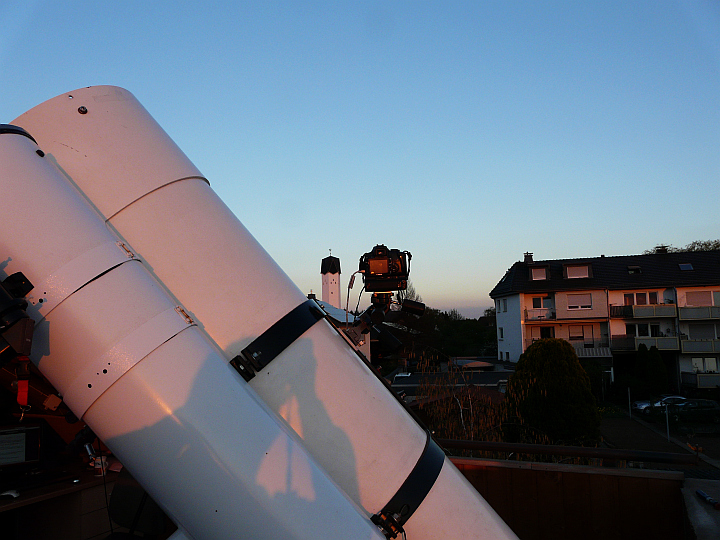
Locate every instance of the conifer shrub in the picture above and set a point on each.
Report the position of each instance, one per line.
(550, 392)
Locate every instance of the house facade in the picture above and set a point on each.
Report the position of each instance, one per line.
(607, 306)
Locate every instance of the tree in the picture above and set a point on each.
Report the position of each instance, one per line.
(658, 373)
(697, 245)
(550, 392)
(408, 294)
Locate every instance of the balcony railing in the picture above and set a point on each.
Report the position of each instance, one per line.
(650, 311)
(700, 380)
(623, 342)
(699, 312)
(589, 344)
(540, 314)
(700, 345)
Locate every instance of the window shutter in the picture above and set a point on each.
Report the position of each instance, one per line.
(698, 298)
(577, 301)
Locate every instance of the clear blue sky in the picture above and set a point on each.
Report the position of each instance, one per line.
(464, 132)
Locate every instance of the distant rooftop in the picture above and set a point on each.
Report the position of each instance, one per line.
(677, 269)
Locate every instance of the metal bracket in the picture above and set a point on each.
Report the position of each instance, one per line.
(276, 339)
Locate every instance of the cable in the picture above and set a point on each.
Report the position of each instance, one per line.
(347, 296)
(357, 306)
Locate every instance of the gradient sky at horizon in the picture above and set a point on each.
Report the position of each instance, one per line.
(464, 132)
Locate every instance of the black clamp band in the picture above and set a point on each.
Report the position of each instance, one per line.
(276, 339)
(15, 130)
(412, 492)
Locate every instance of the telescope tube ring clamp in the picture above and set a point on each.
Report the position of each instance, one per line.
(412, 492)
(268, 345)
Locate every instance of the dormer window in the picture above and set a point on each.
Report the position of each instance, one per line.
(577, 271)
(538, 273)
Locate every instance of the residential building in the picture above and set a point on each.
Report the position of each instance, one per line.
(607, 306)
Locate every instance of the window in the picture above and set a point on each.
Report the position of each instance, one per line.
(582, 333)
(643, 330)
(703, 365)
(507, 356)
(580, 301)
(698, 298)
(547, 332)
(655, 330)
(576, 333)
(541, 302)
(505, 304)
(685, 266)
(634, 270)
(538, 273)
(541, 332)
(697, 365)
(575, 272)
(640, 299)
(501, 332)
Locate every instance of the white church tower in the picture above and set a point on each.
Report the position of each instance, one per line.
(330, 270)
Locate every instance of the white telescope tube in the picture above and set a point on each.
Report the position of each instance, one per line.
(147, 381)
(156, 199)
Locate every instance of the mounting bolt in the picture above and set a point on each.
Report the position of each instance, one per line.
(82, 109)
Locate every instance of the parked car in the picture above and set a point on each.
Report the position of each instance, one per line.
(659, 405)
(647, 407)
(641, 406)
(696, 410)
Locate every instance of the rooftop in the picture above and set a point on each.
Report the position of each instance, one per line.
(681, 269)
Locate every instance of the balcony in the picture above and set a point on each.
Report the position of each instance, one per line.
(699, 312)
(700, 380)
(650, 311)
(540, 314)
(578, 344)
(623, 342)
(700, 345)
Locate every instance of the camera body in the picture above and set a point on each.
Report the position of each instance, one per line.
(385, 269)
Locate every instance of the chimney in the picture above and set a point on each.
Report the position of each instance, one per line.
(528, 258)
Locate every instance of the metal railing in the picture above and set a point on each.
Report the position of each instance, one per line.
(540, 314)
(700, 345)
(648, 311)
(587, 344)
(624, 342)
(700, 380)
(699, 312)
(572, 451)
